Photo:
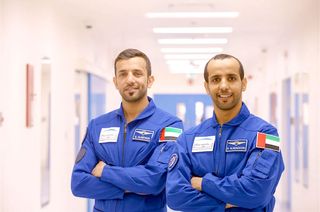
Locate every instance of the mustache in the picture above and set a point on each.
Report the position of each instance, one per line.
(130, 87)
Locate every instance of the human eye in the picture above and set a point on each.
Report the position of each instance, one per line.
(121, 74)
(215, 80)
(232, 78)
(138, 73)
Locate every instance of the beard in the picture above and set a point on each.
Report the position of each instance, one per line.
(134, 96)
(229, 104)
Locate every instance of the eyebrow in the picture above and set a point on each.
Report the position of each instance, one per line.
(121, 71)
(219, 75)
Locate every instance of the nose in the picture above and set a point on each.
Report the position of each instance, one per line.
(224, 84)
(130, 77)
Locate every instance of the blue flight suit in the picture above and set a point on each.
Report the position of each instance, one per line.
(234, 171)
(135, 174)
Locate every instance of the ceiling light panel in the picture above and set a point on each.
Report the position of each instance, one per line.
(192, 15)
(188, 56)
(191, 50)
(192, 30)
(183, 62)
(183, 41)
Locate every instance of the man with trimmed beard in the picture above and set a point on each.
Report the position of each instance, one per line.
(122, 163)
(230, 162)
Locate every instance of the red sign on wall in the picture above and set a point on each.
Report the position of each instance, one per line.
(29, 95)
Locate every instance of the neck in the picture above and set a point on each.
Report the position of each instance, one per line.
(223, 116)
(133, 109)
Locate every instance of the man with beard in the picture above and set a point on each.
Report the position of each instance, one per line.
(230, 162)
(122, 163)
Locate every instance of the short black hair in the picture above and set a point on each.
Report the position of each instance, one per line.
(221, 57)
(131, 53)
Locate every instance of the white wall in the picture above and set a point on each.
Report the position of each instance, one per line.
(301, 45)
(2, 132)
(31, 30)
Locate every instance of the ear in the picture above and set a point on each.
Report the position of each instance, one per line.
(115, 82)
(206, 86)
(150, 81)
(244, 84)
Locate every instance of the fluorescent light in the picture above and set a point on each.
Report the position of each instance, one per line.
(193, 41)
(192, 30)
(193, 15)
(183, 62)
(191, 50)
(189, 56)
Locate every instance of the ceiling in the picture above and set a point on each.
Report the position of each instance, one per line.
(123, 24)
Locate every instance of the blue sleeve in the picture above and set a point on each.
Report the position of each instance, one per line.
(142, 179)
(252, 188)
(180, 194)
(83, 183)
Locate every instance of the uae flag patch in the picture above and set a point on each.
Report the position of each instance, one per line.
(170, 134)
(266, 141)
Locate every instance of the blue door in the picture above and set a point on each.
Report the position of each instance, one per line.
(191, 108)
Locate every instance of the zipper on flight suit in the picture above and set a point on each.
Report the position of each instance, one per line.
(124, 142)
(219, 141)
(122, 159)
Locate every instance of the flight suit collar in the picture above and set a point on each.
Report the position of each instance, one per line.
(148, 111)
(242, 115)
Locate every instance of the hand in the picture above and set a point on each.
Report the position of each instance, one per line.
(230, 206)
(97, 170)
(196, 183)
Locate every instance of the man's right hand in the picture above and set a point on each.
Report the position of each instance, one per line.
(97, 171)
(230, 206)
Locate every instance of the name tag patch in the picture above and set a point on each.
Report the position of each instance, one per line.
(203, 144)
(109, 134)
(239, 145)
(142, 135)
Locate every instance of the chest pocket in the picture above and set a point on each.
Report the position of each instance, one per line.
(164, 152)
(202, 162)
(264, 163)
(235, 151)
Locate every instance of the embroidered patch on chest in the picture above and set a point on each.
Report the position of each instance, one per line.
(239, 145)
(142, 135)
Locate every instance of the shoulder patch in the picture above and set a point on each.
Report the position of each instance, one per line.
(170, 134)
(173, 161)
(85, 137)
(267, 141)
(81, 154)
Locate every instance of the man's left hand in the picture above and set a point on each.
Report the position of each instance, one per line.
(196, 183)
(97, 170)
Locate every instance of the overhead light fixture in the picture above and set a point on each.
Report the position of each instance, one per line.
(193, 41)
(188, 62)
(192, 15)
(188, 56)
(191, 50)
(192, 30)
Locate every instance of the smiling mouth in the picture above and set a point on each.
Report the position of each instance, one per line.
(130, 89)
(224, 95)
